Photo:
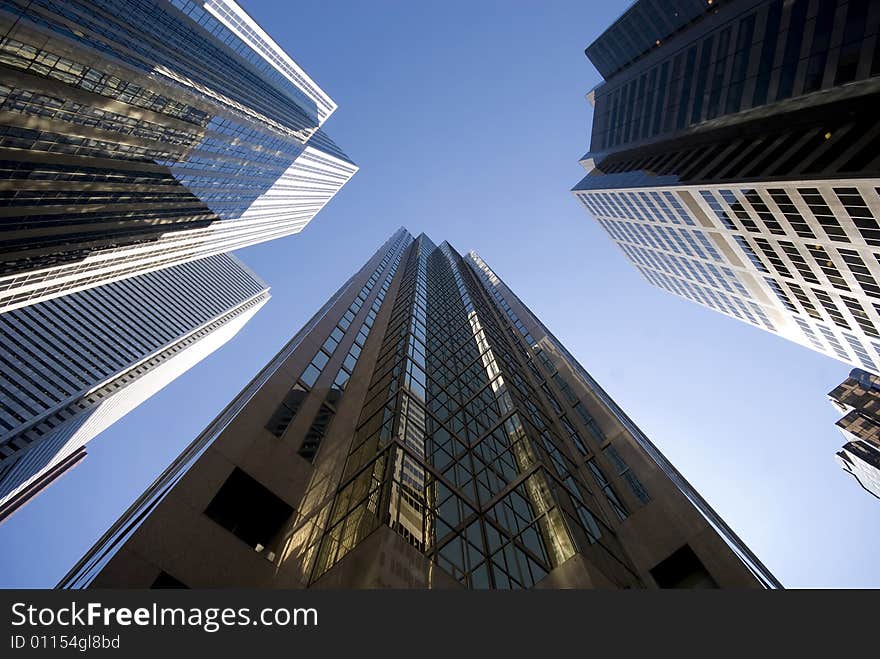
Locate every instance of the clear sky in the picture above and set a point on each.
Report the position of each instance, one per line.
(467, 119)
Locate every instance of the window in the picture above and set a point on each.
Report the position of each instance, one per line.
(750, 253)
(858, 312)
(850, 49)
(860, 214)
(613, 500)
(772, 256)
(565, 388)
(286, 411)
(774, 285)
(553, 402)
(823, 214)
(320, 360)
(791, 54)
(767, 217)
(341, 379)
(316, 432)
(626, 474)
(573, 434)
(860, 272)
(590, 423)
(786, 205)
(310, 375)
(545, 361)
(799, 262)
(330, 344)
(682, 569)
(831, 308)
(247, 509)
(827, 265)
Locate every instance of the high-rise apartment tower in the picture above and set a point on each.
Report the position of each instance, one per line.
(423, 429)
(735, 160)
(138, 134)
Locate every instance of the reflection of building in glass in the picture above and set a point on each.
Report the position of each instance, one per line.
(859, 397)
(734, 160)
(422, 430)
(72, 366)
(138, 134)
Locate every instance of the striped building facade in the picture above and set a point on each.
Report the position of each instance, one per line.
(72, 366)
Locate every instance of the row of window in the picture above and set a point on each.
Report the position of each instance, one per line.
(651, 206)
(67, 345)
(568, 392)
(289, 407)
(752, 204)
(732, 68)
(318, 429)
(731, 305)
(719, 277)
(795, 299)
(589, 422)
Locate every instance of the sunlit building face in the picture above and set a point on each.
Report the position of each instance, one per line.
(136, 135)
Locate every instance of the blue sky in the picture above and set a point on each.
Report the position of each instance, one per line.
(467, 120)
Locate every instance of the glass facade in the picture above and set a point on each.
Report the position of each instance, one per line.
(454, 455)
(859, 397)
(424, 414)
(137, 134)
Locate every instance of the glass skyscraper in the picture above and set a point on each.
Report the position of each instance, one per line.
(72, 366)
(858, 397)
(423, 429)
(139, 134)
(734, 160)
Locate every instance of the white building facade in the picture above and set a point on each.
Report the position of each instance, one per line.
(800, 259)
(73, 366)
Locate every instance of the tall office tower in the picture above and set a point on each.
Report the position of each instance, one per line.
(422, 430)
(735, 160)
(859, 397)
(138, 134)
(72, 366)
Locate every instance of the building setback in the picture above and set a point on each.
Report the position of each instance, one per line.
(735, 160)
(138, 134)
(859, 398)
(72, 366)
(423, 429)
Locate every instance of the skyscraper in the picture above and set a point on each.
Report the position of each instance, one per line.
(734, 160)
(72, 366)
(138, 134)
(859, 398)
(423, 429)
